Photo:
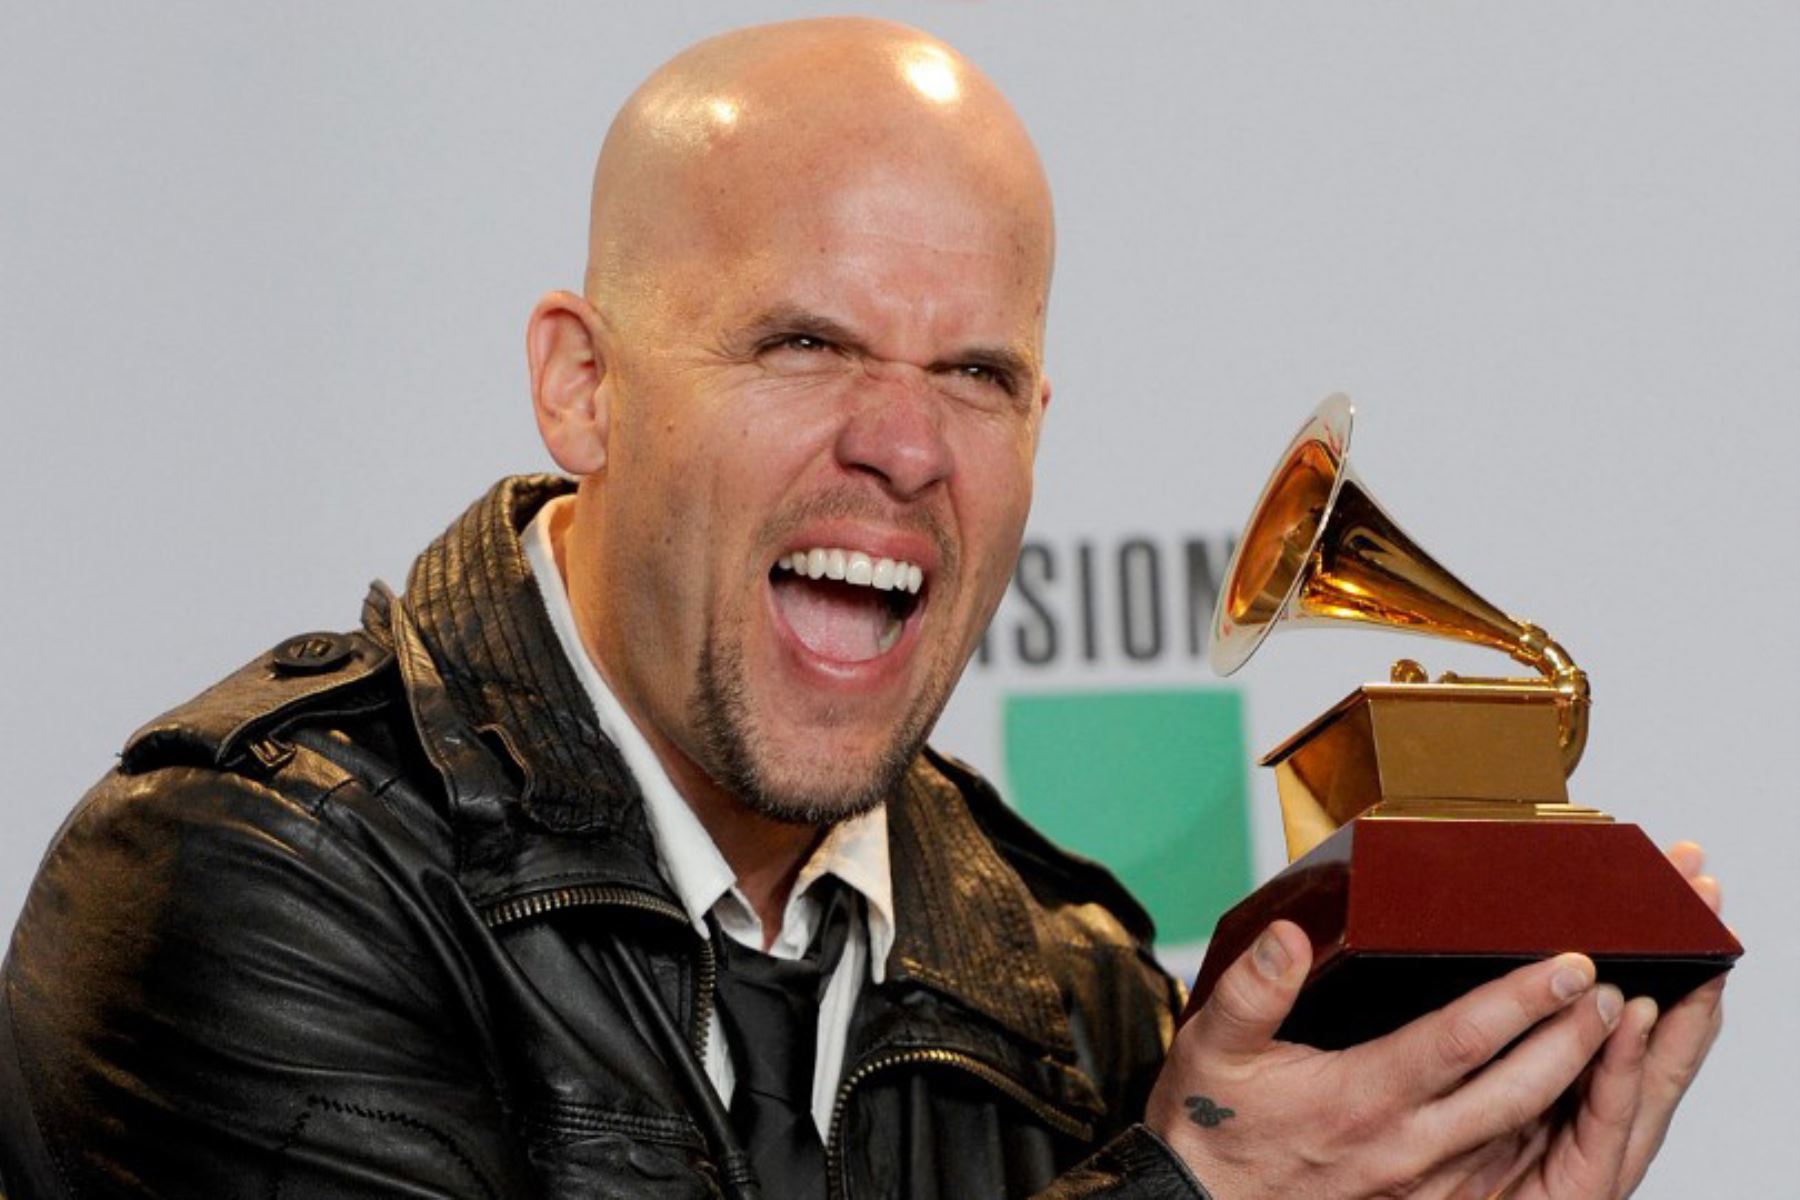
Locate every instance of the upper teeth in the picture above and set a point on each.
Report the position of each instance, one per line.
(853, 566)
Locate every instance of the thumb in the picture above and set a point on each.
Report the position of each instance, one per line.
(1256, 993)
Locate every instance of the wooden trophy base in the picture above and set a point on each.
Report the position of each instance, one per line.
(1407, 914)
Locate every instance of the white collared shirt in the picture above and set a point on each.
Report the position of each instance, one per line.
(855, 850)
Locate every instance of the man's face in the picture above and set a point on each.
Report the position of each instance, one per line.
(846, 378)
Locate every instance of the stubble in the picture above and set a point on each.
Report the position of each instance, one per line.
(739, 759)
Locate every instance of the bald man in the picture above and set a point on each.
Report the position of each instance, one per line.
(609, 859)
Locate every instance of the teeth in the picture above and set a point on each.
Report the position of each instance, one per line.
(853, 566)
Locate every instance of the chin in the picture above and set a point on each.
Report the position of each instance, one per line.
(812, 806)
(813, 779)
(794, 770)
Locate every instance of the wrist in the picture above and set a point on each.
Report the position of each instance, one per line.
(1193, 1145)
(1149, 1150)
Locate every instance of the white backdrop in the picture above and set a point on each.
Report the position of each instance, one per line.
(264, 272)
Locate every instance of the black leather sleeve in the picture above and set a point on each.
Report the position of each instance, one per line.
(221, 987)
(1136, 1165)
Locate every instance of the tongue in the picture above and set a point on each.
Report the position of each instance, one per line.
(834, 620)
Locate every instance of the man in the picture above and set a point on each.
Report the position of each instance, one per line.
(608, 860)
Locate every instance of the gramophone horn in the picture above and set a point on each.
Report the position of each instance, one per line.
(1319, 549)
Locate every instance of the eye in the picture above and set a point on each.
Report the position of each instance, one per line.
(799, 354)
(985, 376)
(801, 343)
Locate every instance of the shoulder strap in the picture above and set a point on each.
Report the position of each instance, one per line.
(229, 720)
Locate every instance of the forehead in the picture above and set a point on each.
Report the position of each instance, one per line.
(882, 240)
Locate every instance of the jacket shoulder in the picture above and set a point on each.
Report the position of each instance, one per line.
(211, 961)
(233, 723)
(1049, 870)
(242, 933)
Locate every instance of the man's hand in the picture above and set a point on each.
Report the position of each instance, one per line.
(1642, 1075)
(1681, 1039)
(1427, 1111)
(1433, 1110)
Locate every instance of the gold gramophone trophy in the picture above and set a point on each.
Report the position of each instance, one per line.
(1431, 840)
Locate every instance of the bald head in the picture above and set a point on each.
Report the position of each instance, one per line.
(755, 126)
(813, 321)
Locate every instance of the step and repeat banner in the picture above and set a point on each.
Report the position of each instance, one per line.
(1149, 777)
(264, 274)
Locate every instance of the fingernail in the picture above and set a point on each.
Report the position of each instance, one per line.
(1571, 979)
(1270, 956)
(1610, 1003)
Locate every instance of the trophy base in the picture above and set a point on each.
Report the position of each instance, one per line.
(1407, 914)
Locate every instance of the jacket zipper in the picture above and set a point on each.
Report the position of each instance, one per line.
(537, 904)
(1058, 1120)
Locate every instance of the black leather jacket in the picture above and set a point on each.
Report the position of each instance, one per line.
(379, 915)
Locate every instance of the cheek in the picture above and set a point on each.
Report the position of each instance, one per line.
(699, 494)
(996, 473)
(994, 500)
(658, 505)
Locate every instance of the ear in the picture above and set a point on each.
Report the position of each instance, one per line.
(565, 347)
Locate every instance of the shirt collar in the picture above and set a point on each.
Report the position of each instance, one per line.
(855, 850)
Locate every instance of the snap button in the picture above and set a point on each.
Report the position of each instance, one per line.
(313, 653)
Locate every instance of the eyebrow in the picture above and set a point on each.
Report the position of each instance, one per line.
(792, 319)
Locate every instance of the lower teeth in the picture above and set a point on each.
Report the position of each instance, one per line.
(890, 633)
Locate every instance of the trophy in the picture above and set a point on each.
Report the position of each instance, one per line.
(1432, 844)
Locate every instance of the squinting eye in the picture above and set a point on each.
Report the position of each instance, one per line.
(800, 354)
(981, 373)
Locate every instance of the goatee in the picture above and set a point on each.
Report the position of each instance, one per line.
(739, 764)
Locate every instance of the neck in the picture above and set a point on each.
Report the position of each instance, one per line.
(764, 854)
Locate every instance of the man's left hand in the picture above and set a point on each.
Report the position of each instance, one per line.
(1631, 1092)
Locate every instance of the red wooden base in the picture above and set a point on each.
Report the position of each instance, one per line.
(1406, 915)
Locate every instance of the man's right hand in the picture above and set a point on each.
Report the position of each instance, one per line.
(1431, 1110)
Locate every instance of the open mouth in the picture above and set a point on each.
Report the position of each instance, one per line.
(845, 605)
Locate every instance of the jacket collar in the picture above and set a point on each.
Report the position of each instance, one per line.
(503, 716)
(965, 924)
(478, 612)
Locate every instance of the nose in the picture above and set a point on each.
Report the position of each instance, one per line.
(895, 432)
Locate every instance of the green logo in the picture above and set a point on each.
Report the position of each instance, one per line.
(1151, 783)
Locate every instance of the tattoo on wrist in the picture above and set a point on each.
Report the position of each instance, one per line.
(1207, 1114)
